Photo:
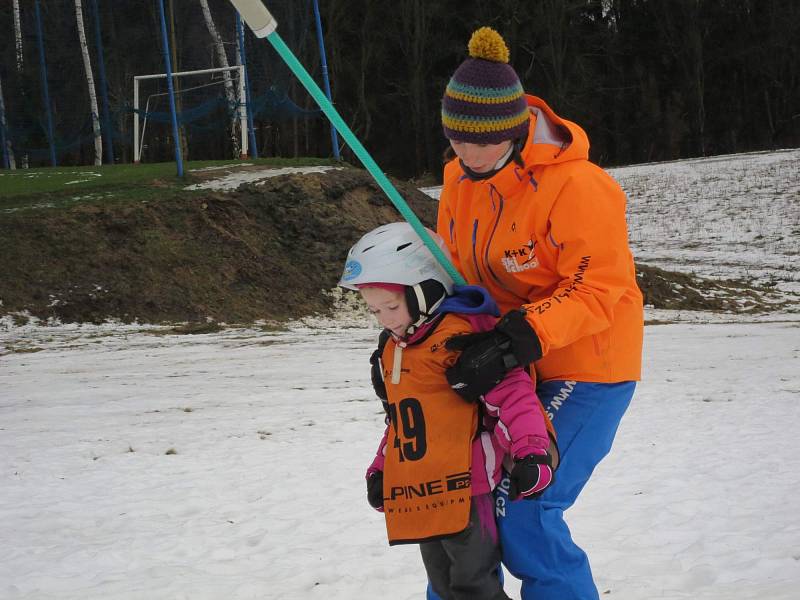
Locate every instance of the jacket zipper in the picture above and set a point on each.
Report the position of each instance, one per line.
(475, 250)
(489, 242)
(491, 237)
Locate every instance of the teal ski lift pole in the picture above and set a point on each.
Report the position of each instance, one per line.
(263, 24)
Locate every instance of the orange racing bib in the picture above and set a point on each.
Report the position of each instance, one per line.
(427, 482)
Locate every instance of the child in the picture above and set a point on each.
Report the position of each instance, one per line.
(440, 456)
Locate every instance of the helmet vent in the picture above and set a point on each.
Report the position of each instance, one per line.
(366, 249)
(401, 246)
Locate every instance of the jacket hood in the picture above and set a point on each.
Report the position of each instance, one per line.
(552, 139)
(469, 300)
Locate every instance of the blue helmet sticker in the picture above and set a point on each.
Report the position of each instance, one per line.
(352, 269)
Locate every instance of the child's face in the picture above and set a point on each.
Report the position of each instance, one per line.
(389, 308)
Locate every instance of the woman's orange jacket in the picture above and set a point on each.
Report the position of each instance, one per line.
(551, 237)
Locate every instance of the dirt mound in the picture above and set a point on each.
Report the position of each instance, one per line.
(261, 252)
(266, 251)
(681, 291)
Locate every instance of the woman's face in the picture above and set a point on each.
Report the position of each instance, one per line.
(481, 158)
(389, 308)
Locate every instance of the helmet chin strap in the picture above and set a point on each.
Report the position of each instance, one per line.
(423, 299)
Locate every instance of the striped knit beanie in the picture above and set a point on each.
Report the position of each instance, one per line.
(484, 102)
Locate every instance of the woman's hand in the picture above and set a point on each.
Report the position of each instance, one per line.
(487, 356)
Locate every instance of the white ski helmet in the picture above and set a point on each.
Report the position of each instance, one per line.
(394, 253)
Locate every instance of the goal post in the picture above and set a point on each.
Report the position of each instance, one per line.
(242, 106)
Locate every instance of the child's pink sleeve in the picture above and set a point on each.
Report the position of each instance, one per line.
(521, 429)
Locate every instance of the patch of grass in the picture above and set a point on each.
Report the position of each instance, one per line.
(197, 328)
(20, 319)
(273, 327)
(170, 452)
(55, 187)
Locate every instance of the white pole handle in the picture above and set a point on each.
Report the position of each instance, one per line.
(257, 17)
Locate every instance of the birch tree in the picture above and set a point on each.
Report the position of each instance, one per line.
(230, 93)
(87, 66)
(18, 36)
(11, 162)
(183, 139)
(20, 63)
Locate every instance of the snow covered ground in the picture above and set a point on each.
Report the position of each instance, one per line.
(231, 181)
(136, 463)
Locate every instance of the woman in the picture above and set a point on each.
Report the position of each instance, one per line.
(527, 216)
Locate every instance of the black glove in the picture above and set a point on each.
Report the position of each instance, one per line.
(376, 372)
(486, 357)
(375, 490)
(530, 477)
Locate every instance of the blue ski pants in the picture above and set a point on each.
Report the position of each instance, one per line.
(536, 542)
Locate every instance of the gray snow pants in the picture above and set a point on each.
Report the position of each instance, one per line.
(465, 566)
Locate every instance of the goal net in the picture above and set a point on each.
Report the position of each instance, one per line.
(205, 105)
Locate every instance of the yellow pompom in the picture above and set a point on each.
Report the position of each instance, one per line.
(487, 44)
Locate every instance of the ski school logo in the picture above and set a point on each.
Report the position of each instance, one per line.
(520, 259)
(352, 269)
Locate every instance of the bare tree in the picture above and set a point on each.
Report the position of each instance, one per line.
(183, 138)
(230, 93)
(415, 29)
(18, 36)
(11, 161)
(683, 33)
(87, 66)
(20, 63)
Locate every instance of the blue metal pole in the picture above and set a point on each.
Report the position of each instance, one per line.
(251, 131)
(109, 138)
(326, 83)
(45, 88)
(168, 65)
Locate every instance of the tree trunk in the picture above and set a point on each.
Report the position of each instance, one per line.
(176, 86)
(230, 93)
(684, 40)
(412, 43)
(87, 67)
(12, 164)
(20, 62)
(18, 37)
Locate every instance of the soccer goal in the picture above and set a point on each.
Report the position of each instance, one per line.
(140, 123)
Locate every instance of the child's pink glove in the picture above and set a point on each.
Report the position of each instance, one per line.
(530, 476)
